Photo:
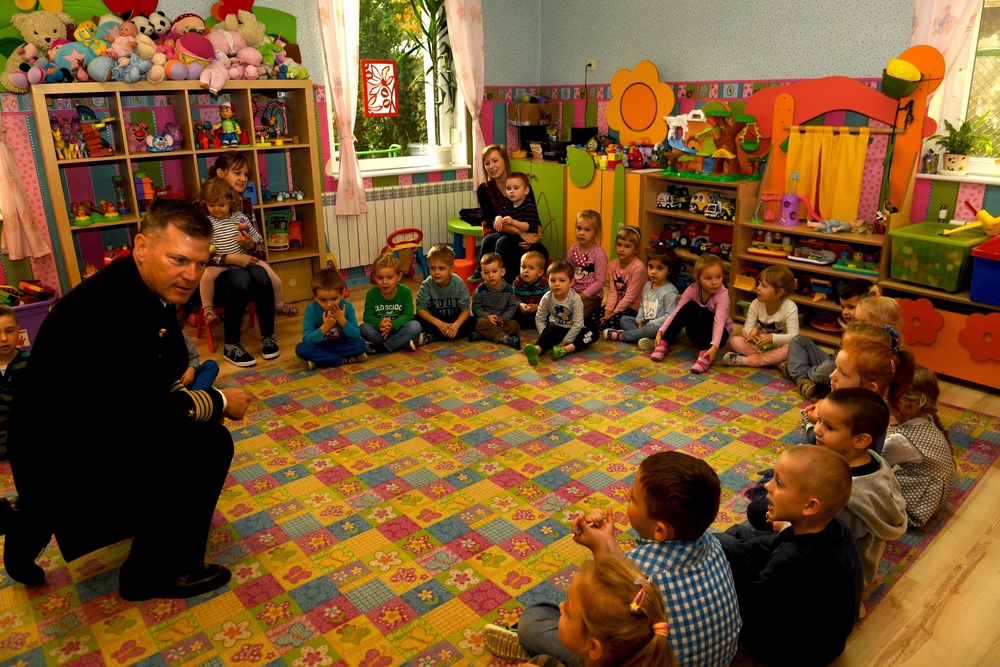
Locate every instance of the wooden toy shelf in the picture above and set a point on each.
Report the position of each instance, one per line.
(294, 165)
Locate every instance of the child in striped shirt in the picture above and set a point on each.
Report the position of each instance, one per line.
(530, 286)
(237, 243)
(494, 305)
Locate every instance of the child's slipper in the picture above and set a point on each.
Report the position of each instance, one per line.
(531, 352)
(660, 352)
(702, 364)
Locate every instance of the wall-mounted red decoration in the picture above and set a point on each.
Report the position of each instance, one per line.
(381, 88)
(981, 336)
(919, 322)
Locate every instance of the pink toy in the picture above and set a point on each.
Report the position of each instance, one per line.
(216, 73)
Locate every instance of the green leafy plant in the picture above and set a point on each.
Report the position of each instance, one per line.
(965, 139)
(433, 39)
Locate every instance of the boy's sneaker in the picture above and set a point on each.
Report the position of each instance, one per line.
(702, 364)
(660, 352)
(285, 309)
(784, 369)
(612, 334)
(513, 340)
(531, 352)
(733, 359)
(211, 319)
(238, 356)
(424, 338)
(504, 643)
(412, 345)
(476, 276)
(311, 365)
(474, 336)
(559, 352)
(269, 348)
(806, 387)
(647, 344)
(354, 360)
(370, 348)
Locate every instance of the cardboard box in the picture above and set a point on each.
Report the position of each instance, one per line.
(533, 114)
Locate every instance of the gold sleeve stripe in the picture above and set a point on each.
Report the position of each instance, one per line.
(203, 405)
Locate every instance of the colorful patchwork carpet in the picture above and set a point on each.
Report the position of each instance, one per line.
(379, 514)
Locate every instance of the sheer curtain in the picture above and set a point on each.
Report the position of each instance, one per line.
(339, 27)
(947, 25)
(465, 30)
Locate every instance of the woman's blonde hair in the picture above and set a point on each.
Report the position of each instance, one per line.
(624, 611)
(882, 310)
(503, 156)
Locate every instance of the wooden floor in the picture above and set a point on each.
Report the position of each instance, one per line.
(942, 612)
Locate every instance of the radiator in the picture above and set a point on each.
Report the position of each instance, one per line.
(356, 240)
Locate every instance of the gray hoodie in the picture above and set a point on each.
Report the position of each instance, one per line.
(875, 513)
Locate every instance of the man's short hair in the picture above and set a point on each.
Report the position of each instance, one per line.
(328, 279)
(183, 215)
(681, 490)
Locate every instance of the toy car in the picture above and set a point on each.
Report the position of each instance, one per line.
(723, 209)
(701, 200)
(677, 197)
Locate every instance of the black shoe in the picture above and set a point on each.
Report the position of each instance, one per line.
(513, 340)
(269, 348)
(212, 576)
(25, 541)
(476, 276)
(237, 356)
(424, 339)
(474, 336)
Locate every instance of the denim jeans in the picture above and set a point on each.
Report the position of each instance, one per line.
(632, 332)
(396, 339)
(807, 360)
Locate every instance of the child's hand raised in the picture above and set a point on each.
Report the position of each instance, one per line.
(810, 413)
(595, 532)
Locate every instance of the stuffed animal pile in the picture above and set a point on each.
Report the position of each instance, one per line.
(150, 48)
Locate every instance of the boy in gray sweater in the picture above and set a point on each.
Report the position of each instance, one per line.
(443, 299)
(494, 305)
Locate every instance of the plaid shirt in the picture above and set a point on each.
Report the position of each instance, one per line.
(702, 610)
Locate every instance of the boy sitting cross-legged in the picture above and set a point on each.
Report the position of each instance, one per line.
(494, 305)
(330, 333)
(673, 500)
(799, 589)
(388, 320)
(443, 299)
(560, 317)
(849, 423)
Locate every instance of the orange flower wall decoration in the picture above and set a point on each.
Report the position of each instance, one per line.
(981, 336)
(639, 101)
(919, 322)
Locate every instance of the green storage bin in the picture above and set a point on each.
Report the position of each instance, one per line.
(921, 255)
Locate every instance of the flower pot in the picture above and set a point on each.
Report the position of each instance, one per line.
(954, 163)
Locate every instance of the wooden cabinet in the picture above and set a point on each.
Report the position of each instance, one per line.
(108, 118)
(599, 195)
(548, 185)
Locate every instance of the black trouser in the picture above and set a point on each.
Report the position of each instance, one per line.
(236, 288)
(509, 248)
(699, 323)
(553, 335)
(467, 327)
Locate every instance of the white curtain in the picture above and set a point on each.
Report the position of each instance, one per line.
(465, 30)
(339, 26)
(945, 25)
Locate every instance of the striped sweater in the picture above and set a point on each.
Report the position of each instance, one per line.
(486, 302)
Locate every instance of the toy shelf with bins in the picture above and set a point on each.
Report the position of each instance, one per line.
(282, 150)
(742, 259)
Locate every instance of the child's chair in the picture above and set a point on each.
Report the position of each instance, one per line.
(251, 308)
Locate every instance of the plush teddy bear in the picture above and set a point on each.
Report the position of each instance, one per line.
(249, 26)
(227, 41)
(40, 29)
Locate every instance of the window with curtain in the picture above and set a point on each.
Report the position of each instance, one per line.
(984, 85)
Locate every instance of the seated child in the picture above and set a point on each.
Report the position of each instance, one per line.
(518, 215)
(772, 321)
(919, 449)
(330, 332)
(673, 500)
(612, 615)
(388, 318)
(443, 299)
(494, 305)
(703, 312)
(590, 265)
(849, 422)
(529, 287)
(799, 589)
(12, 364)
(659, 298)
(628, 275)
(198, 376)
(877, 310)
(808, 366)
(237, 243)
(559, 318)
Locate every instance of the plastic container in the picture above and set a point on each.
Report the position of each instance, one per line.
(29, 320)
(986, 272)
(921, 255)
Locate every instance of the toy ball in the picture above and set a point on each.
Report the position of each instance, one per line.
(176, 70)
(901, 69)
(194, 71)
(525, 98)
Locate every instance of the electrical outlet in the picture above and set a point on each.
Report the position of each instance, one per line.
(590, 65)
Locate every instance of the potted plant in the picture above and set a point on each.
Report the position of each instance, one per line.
(959, 142)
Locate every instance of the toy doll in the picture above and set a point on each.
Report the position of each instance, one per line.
(230, 128)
